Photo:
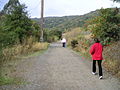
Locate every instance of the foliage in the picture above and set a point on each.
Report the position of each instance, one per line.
(80, 39)
(7, 39)
(18, 22)
(59, 25)
(52, 35)
(35, 32)
(57, 33)
(112, 58)
(9, 55)
(9, 7)
(74, 43)
(15, 29)
(6, 80)
(106, 26)
(67, 22)
(111, 52)
(116, 0)
(15, 25)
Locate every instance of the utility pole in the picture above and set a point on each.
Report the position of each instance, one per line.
(42, 20)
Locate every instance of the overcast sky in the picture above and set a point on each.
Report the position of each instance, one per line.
(64, 7)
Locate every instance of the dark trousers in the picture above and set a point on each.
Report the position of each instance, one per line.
(63, 44)
(99, 66)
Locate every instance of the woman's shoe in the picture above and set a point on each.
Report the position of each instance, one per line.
(101, 77)
(94, 73)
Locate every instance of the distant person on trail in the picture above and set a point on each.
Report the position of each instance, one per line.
(63, 42)
(96, 52)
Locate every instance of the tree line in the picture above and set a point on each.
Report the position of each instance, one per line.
(106, 26)
(16, 26)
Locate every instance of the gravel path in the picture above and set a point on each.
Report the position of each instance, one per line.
(60, 69)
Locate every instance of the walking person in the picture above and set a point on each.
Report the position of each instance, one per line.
(96, 52)
(63, 42)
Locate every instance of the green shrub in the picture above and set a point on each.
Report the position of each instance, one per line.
(8, 39)
(74, 43)
(106, 26)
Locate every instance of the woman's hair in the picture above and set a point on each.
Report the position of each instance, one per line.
(96, 40)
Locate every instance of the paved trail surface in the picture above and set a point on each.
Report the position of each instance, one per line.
(60, 69)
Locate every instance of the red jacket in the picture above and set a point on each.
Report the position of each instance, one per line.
(96, 51)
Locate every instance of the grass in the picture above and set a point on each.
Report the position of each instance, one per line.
(33, 54)
(17, 51)
(112, 58)
(6, 80)
(11, 81)
(12, 56)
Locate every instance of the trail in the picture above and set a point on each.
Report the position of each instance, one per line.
(60, 69)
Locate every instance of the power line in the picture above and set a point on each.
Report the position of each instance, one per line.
(38, 3)
(36, 6)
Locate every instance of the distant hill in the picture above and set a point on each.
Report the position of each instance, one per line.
(67, 22)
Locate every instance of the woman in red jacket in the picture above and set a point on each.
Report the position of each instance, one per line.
(96, 52)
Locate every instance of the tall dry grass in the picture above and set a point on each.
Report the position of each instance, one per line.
(9, 57)
(83, 38)
(72, 35)
(112, 58)
(16, 51)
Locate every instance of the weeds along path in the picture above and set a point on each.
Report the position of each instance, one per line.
(60, 69)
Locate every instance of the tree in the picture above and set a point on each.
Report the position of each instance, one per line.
(106, 26)
(36, 30)
(10, 6)
(6, 38)
(116, 0)
(17, 20)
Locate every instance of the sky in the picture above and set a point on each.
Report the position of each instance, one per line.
(63, 7)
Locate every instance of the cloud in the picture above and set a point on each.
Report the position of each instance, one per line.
(65, 7)
(75, 7)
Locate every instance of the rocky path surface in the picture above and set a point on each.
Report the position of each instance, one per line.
(60, 69)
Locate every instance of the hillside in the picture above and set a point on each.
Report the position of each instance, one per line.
(108, 23)
(67, 22)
